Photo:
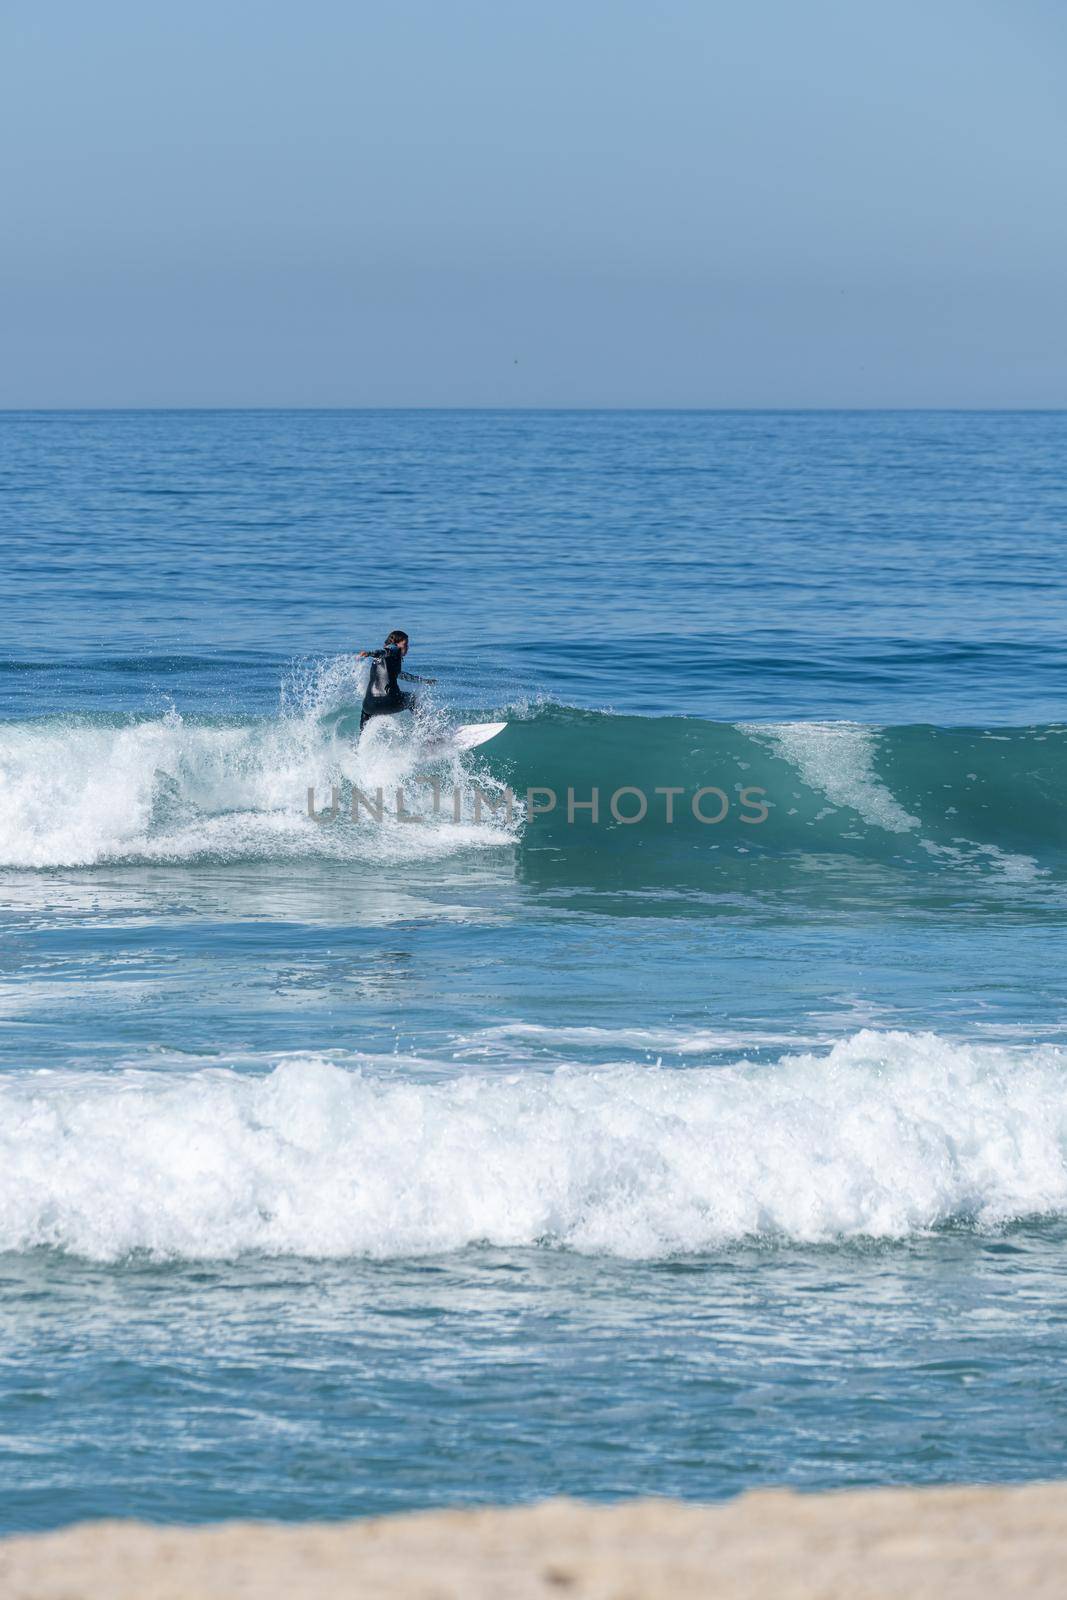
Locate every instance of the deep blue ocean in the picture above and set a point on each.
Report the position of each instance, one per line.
(354, 1166)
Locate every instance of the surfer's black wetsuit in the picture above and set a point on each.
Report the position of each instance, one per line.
(383, 695)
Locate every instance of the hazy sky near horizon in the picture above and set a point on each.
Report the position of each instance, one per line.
(567, 203)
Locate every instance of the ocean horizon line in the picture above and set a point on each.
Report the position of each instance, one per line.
(474, 410)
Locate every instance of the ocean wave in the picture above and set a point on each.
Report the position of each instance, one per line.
(827, 785)
(79, 791)
(166, 790)
(885, 1136)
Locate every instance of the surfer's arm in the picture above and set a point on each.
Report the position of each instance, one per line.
(413, 677)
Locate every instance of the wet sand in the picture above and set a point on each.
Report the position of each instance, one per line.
(885, 1544)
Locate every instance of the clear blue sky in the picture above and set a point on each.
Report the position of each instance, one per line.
(533, 202)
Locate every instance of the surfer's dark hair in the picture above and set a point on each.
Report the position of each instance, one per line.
(398, 636)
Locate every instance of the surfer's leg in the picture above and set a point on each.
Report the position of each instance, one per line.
(406, 702)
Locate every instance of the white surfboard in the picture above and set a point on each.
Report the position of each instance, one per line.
(464, 738)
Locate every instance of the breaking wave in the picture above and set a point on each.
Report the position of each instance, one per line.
(885, 1136)
(84, 791)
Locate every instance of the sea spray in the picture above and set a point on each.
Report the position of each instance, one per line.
(86, 792)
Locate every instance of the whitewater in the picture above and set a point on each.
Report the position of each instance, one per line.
(884, 1136)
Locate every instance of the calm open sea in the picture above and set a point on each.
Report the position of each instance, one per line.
(357, 1166)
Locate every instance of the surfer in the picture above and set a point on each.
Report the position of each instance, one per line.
(384, 696)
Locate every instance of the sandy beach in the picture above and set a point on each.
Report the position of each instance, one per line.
(870, 1545)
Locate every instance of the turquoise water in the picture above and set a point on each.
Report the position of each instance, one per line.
(359, 1166)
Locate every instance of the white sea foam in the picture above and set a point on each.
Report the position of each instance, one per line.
(836, 759)
(886, 1135)
(81, 794)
